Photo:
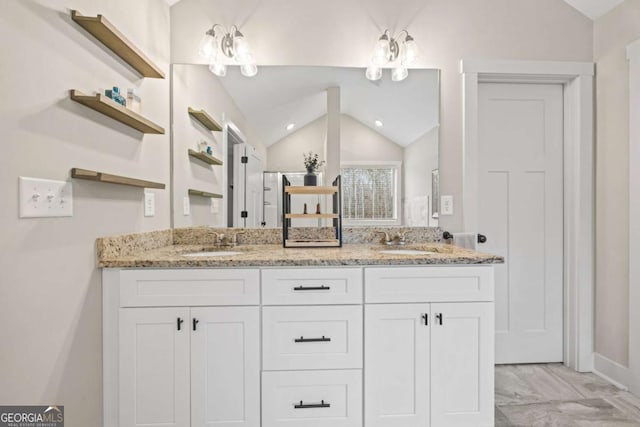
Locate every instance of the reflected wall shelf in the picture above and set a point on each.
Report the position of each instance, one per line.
(311, 216)
(200, 193)
(207, 158)
(107, 34)
(110, 108)
(113, 179)
(206, 120)
(311, 190)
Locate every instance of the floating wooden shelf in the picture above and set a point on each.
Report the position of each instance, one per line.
(107, 34)
(310, 190)
(206, 120)
(312, 243)
(207, 158)
(113, 179)
(200, 193)
(110, 108)
(311, 216)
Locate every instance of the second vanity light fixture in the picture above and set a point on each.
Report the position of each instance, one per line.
(388, 50)
(218, 43)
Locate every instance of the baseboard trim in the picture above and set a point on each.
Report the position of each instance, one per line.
(611, 371)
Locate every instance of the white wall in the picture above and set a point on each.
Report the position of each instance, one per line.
(361, 143)
(286, 155)
(50, 289)
(283, 32)
(612, 33)
(420, 159)
(195, 86)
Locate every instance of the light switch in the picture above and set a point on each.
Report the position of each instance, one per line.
(446, 205)
(186, 206)
(40, 198)
(149, 204)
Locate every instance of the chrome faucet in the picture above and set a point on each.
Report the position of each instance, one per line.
(399, 238)
(386, 239)
(220, 239)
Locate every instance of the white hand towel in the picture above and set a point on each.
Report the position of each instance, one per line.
(466, 240)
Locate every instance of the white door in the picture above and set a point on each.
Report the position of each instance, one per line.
(225, 366)
(462, 383)
(521, 213)
(396, 365)
(154, 367)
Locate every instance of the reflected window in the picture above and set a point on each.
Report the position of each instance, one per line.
(370, 193)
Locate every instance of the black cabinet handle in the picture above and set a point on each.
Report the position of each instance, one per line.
(439, 318)
(302, 405)
(179, 321)
(482, 238)
(303, 339)
(426, 319)
(195, 323)
(312, 288)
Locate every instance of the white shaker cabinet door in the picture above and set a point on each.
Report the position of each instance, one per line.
(462, 359)
(225, 367)
(397, 358)
(154, 367)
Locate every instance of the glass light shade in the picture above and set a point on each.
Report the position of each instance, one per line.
(207, 48)
(381, 52)
(249, 70)
(373, 73)
(218, 69)
(242, 53)
(409, 52)
(399, 74)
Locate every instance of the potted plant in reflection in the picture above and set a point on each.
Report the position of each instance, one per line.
(312, 163)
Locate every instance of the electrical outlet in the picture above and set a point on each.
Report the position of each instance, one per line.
(214, 206)
(40, 198)
(149, 204)
(446, 205)
(186, 206)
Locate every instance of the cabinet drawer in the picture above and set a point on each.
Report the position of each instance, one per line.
(428, 284)
(312, 399)
(316, 337)
(312, 286)
(199, 287)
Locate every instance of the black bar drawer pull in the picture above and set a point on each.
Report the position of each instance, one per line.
(312, 288)
(195, 323)
(303, 339)
(179, 322)
(439, 318)
(426, 319)
(302, 405)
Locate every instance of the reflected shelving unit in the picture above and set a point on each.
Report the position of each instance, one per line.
(334, 191)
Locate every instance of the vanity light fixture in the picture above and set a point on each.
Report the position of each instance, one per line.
(291, 126)
(388, 50)
(218, 43)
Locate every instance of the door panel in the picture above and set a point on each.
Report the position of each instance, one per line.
(154, 367)
(225, 367)
(521, 212)
(397, 358)
(462, 383)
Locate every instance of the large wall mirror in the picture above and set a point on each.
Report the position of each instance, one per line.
(234, 137)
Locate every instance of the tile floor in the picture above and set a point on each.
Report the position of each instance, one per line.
(552, 395)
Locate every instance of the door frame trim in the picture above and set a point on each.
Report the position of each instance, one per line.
(579, 187)
(633, 55)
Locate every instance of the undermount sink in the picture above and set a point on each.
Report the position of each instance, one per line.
(407, 252)
(211, 253)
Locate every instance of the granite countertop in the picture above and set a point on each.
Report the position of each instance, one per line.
(271, 255)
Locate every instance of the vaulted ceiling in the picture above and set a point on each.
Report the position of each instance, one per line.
(591, 8)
